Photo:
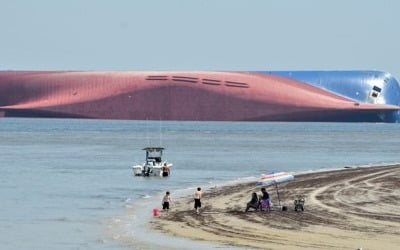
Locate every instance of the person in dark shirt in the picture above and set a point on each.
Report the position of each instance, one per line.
(253, 203)
(264, 200)
(264, 194)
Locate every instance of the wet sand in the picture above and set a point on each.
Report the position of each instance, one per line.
(344, 209)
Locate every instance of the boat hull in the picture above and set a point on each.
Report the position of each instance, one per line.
(200, 96)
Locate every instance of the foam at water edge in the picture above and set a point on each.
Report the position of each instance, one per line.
(348, 166)
(133, 228)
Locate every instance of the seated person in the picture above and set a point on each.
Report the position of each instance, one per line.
(253, 203)
(265, 200)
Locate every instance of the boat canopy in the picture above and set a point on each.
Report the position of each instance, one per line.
(150, 149)
(154, 154)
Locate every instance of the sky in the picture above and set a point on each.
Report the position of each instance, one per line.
(200, 35)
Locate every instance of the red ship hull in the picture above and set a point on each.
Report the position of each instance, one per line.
(211, 96)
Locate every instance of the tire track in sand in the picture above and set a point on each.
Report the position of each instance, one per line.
(341, 205)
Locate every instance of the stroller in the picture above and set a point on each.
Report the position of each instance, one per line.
(299, 204)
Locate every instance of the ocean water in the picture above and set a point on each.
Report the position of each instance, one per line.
(68, 184)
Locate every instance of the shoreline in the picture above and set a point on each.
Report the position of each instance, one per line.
(346, 208)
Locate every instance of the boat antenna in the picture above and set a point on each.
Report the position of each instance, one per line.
(147, 132)
(160, 132)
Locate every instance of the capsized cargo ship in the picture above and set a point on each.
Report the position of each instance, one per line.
(337, 96)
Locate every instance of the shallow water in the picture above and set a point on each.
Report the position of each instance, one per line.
(67, 183)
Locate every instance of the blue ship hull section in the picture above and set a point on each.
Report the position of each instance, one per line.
(362, 86)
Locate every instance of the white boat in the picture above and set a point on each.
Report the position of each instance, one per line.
(154, 165)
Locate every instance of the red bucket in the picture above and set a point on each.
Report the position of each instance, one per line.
(156, 212)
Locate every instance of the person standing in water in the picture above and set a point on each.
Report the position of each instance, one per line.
(197, 200)
(165, 170)
(166, 201)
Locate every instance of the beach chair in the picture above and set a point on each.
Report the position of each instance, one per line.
(265, 205)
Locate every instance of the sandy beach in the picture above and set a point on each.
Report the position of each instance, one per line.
(344, 209)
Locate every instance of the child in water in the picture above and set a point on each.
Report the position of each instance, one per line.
(166, 201)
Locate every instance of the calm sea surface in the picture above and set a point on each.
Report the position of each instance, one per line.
(67, 183)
